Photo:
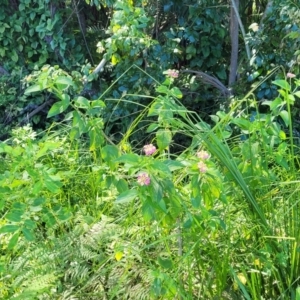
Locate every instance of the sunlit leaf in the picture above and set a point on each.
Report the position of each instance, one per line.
(164, 138)
(282, 83)
(118, 255)
(127, 196)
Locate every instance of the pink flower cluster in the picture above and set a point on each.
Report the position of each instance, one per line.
(172, 73)
(290, 75)
(149, 149)
(203, 155)
(143, 179)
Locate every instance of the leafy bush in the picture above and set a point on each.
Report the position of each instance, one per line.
(90, 219)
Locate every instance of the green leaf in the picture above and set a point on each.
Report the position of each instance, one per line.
(64, 80)
(148, 211)
(121, 185)
(173, 164)
(110, 153)
(297, 94)
(242, 123)
(164, 138)
(79, 122)
(298, 293)
(64, 215)
(14, 56)
(28, 234)
(196, 201)
(74, 133)
(130, 158)
(283, 84)
(82, 102)
(165, 263)
(13, 241)
(52, 184)
(163, 89)
(37, 187)
(32, 89)
(96, 138)
(2, 202)
(152, 127)
(285, 117)
(57, 108)
(65, 99)
(9, 228)
(14, 216)
(98, 103)
(127, 196)
(176, 92)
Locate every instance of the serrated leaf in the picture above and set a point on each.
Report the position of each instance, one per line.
(127, 196)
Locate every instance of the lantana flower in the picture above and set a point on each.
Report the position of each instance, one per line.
(202, 167)
(149, 149)
(143, 179)
(172, 73)
(290, 75)
(204, 155)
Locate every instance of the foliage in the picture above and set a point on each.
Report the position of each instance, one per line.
(277, 49)
(95, 202)
(100, 220)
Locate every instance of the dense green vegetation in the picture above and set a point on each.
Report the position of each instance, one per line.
(149, 149)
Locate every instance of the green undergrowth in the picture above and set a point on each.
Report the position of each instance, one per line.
(85, 217)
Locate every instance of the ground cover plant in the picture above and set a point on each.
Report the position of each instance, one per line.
(83, 217)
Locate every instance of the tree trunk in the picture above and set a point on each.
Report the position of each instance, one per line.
(234, 37)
